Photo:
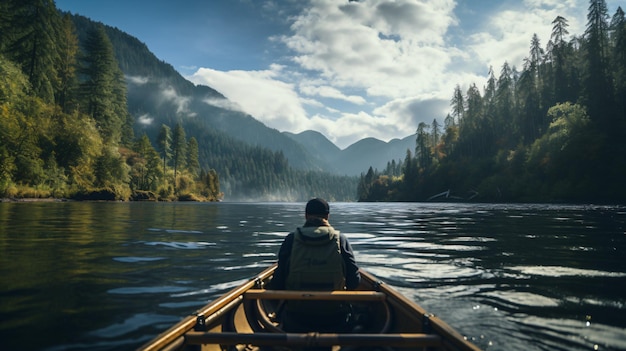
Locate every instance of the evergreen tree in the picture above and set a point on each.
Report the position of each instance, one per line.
(193, 163)
(410, 174)
(598, 86)
(120, 108)
(147, 170)
(365, 192)
(472, 124)
(504, 128)
(448, 122)
(528, 95)
(102, 90)
(435, 131)
(560, 54)
(164, 142)
(618, 36)
(67, 64)
(179, 145)
(32, 41)
(110, 169)
(458, 104)
(422, 148)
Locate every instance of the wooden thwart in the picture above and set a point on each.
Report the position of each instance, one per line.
(313, 339)
(337, 295)
(213, 326)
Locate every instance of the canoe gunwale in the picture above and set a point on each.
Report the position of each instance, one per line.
(429, 321)
(314, 339)
(337, 295)
(431, 331)
(164, 339)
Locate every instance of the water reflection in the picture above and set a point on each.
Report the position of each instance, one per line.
(510, 277)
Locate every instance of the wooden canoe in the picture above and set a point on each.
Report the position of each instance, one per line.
(244, 319)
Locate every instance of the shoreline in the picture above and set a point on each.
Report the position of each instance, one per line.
(34, 199)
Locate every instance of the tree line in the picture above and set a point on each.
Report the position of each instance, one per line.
(246, 171)
(554, 131)
(65, 129)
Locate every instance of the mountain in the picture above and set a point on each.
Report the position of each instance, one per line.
(158, 94)
(358, 157)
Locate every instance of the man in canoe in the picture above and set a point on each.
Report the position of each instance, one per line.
(316, 257)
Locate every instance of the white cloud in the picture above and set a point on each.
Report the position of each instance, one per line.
(137, 80)
(259, 93)
(145, 119)
(182, 102)
(388, 48)
(387, 65)
(224, 103)
(330, 92)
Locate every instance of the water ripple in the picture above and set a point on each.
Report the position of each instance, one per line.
(181, 245)
(558, 271)
(147, 290)
(137, 259)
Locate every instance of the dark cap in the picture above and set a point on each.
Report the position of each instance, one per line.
(317, 206)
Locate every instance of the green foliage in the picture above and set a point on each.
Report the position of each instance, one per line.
(66, 96)
(193, 163)
(32, 42)
(50, 147)
(164, 142)
(532, 136)
(179, 149)
(103, 92)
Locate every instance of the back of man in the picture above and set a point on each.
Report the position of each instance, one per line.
(316, 257)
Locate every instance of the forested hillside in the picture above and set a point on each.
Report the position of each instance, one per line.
(66, 129)
(554, 131)
(253, 162)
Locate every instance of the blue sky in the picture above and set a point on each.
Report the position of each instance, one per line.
(348, 69)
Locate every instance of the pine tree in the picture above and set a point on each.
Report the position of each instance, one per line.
(618, 37)
(103, 91)
(504, 128)
(559, 54)
(193, 163)
(410, 173)
(458, 104)
(474, 122)
(179, 146)
(598, 87)
(435, 131)
(32, 41)
(67, 64)
(164, 142)
(422, 147)
(528, 95)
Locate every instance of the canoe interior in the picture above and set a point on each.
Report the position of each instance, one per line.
(245, 319)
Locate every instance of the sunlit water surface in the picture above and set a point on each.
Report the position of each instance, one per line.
(110, 276)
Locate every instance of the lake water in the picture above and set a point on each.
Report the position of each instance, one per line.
(110, 276)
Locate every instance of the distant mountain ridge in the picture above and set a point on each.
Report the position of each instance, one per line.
(158, 94)
(358, 157)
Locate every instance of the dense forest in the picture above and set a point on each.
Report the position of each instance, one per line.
(554, 131)
(66, 130)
